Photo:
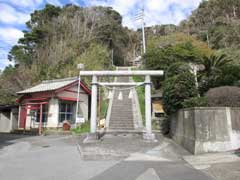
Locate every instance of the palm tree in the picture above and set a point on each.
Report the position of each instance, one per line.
(213, 64)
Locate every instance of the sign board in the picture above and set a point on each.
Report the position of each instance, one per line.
(80, 119)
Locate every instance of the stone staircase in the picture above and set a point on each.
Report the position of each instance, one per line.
(121, 117)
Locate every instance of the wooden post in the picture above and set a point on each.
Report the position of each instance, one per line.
(40, 120)
(99, 103)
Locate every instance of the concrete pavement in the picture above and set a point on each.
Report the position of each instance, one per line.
(141, 160)
(125, 157)
(46, 158)
(220, 166)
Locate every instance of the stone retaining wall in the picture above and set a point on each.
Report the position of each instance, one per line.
(204, 129)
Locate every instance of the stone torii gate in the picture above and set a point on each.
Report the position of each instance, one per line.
(147, 83)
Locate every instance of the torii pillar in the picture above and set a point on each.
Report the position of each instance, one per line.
(148, 135)
(93, 121)
(148, 104)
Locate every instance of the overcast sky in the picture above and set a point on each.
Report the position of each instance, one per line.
(14, 14)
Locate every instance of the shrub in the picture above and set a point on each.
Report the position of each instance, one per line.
(230, 76)
(176, 90)
(83, 128)
(224, 96)
(195, 102)
(177, 68)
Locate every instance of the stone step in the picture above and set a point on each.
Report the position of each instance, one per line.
(121, 114)
(122, 122)
(116, 112)
(124, 132)
(122, 106)
(121, 117)
(120, 126)
(123, 110)
(124, 119)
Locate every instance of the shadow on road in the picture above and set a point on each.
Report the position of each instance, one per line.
(7, 139)
(237, 152)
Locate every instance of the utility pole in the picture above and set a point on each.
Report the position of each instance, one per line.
(112, 58)
(143, 32)
(140, 16)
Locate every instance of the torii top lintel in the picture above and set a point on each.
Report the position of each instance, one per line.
(122, 73)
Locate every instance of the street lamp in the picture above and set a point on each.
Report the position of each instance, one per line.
(77, 120)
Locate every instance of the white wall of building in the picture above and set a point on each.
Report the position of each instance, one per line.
(29, 122)
(83, 99)
(5, 122)
(9, 120)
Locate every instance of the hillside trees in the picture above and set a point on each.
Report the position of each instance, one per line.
(57, 39)
(164, 51)
(177, 54)
(216, 22)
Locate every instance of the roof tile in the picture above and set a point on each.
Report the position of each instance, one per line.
(49, 85)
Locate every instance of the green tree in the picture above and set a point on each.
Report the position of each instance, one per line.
(176, 90)
(57, 38)
(163, 52)
(176, 69)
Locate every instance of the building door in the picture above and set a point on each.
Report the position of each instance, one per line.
(23, 116)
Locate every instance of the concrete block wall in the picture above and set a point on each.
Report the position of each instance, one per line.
(204, 129)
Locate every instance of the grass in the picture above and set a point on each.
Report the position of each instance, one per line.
(104, 107)
(138, 78)
(141, 95)
(83, 128)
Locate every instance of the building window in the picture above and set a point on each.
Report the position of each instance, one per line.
(44, 114)
(65, 111)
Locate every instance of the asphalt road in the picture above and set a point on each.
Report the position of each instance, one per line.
(64, 158)
(150, 170)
